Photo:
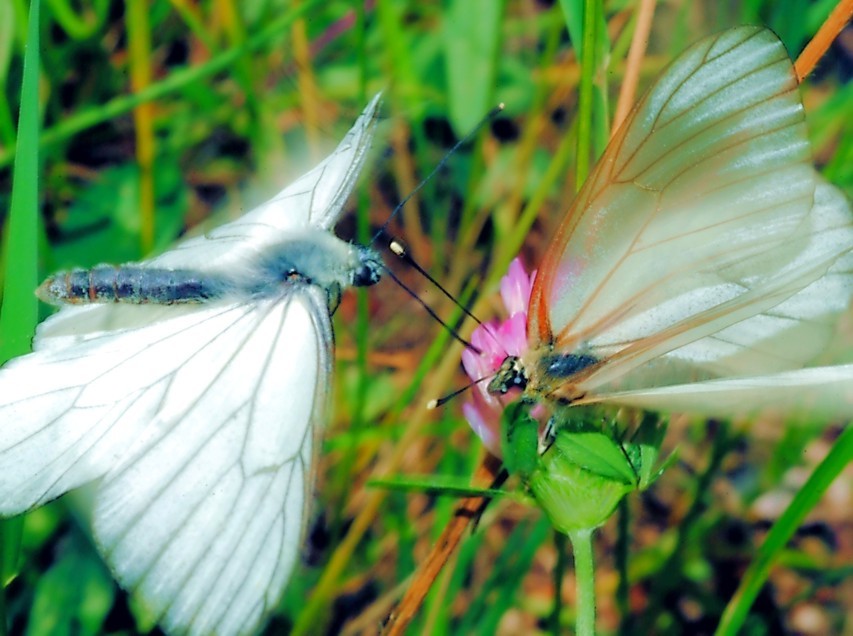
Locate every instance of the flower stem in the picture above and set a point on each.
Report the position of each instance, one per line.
(584, 581)
(621, 558)
(559, 573)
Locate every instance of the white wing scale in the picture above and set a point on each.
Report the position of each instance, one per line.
(201, 462)
(196, 423)
(800, 328)
(757, 363)
(70, 413)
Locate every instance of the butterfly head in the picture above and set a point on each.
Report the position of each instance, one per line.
(510, 375)
(368, 271)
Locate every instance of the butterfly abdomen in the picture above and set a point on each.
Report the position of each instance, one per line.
(129, 284)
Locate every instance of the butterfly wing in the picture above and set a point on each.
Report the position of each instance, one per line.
(315, 200)
(815, 394)
(782, 328)
(205, 514)
(61, 406)
(196, 422)
(792, 332)
(758, 359)
(699, 215)
(201, 431)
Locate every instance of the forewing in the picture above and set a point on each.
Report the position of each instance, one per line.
(314, 200)
(205, 514)
(694, 212)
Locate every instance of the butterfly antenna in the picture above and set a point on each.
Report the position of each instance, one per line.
(489, 117)
(432, 313)
(434, 404)
(397, 247)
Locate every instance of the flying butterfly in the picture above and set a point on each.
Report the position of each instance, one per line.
(190, 390)
(702, 267)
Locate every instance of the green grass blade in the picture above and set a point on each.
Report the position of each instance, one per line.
(447, 485)
(84, 25)
(19, 312)
(585, 22)
(499, 591)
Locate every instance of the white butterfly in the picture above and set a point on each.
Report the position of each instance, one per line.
(704, 264)
(197, 421)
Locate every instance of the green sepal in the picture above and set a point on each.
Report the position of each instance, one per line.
(599, 454)
(643, 450)
(519, 440)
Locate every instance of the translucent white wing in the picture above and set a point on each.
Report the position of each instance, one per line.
(58, 405)
(799, 329)
(699, 215)
(759, 358)
(813, 395)
(784, 335)
(314, 200)
(200, 431)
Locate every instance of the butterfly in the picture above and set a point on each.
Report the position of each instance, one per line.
(190, 390)
(703, 265)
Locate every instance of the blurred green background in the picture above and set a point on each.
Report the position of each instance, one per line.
(156, 115)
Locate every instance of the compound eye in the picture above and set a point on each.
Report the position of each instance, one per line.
(365, 276)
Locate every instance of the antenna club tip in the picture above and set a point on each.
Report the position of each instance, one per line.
(501, 106)
(396, 247)
(432, 405)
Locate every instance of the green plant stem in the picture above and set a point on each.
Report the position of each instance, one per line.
(587, 59)
(584, 581)
(559, 573)
(82, 26)
(140, 64)
(621, 558)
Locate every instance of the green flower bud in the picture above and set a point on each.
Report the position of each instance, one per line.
(576, 495)
(587, 470)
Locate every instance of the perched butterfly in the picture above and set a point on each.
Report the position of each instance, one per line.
(190, 389)
(701, 268)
